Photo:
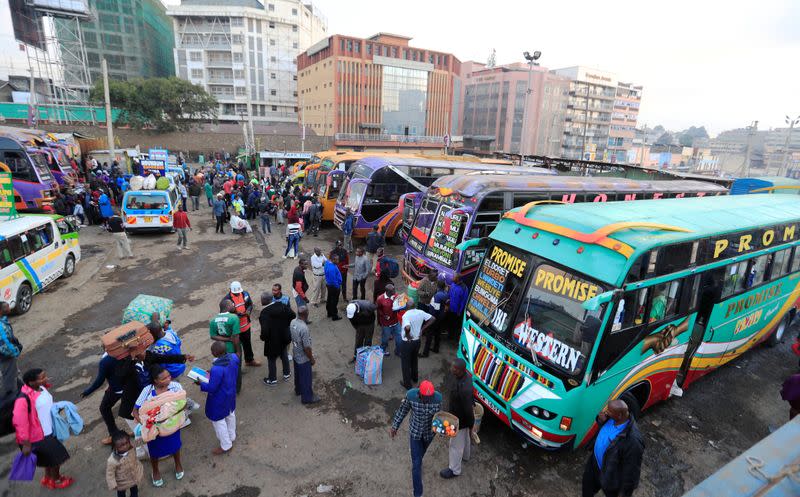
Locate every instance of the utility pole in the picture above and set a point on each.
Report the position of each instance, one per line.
(644, 145)
(751, 131)
(109, 124)
(531, 62)
(785, 162)
(585, 123)
(303, 125)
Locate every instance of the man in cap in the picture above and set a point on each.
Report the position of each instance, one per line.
(243, 308)
(422, 403)
(224, 327)
(219, 209)
(415, 322)
(361, 314)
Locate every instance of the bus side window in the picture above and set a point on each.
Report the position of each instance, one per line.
(34, 241)
(666, 299)
(780, 263)
(18, 164)
(16, 248)
(5, 255)
(521, 199)
(757, 270)
(627, 329)
(735, 278)
(796, 260)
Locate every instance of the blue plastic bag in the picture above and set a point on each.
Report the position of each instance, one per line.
(23, 468)
(361, 360)
(373, 369)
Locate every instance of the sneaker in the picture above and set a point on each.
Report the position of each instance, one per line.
(447, 474)
(284, 257)
(269, 382)
(61, 483)
(313, 401)
(287, 376)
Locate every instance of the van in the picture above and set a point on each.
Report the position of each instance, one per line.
(35, 250)
(150, 210)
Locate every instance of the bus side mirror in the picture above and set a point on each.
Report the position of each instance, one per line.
(595, 302)
(473, 242)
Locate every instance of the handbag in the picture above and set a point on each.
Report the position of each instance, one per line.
(23, 468)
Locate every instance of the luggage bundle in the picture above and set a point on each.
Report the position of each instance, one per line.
(143, 306)
(369, 364)
(132, 337)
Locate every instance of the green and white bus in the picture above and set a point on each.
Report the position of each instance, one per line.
(575, 305)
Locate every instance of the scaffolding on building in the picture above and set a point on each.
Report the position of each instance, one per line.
(60, 62)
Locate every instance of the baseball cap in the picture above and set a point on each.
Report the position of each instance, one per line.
(236, 287)
(351, 311)
(426, 388)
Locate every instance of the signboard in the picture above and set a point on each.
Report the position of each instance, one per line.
(157, 167)
(158, 154)
(7, 206)
(486, 303)
(285, 155)
(446, 233)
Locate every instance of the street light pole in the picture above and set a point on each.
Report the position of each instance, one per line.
(531, 62)
(785, 162)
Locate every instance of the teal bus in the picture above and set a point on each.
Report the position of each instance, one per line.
(575, 305)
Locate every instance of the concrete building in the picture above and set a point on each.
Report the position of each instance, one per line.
(378, 92)
(244, 53)
(623, 122)
(775, 144)
(494, 106)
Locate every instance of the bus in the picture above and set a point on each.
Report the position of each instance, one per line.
(35, 250)
(765, 184)
(575, 305)
(373, 187)
(461, 207)
(150, 210)
(34, 186)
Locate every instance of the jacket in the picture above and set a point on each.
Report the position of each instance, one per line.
(221, 387)
(70, 422)
(347, 226)
(622, 462)
(459, 400)
(9, 345)
(122, 473)
(333, 277)
(387, 316)
(274, 320)
(181, 220)
(194, 189)
(361, 268)
(25, 419)
(220, 207)
(365, 313)
(128, 374)
(458, 298)
(374, 242)
(106, 371)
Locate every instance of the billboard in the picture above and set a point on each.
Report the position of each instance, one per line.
(157, 167)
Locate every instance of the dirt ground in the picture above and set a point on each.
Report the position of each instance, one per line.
(286, 449)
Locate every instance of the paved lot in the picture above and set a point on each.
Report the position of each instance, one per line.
(285, 449)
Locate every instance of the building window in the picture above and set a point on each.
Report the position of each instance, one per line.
(197, 73)
(274, 108)
(273, 59)
(294, 94)
(369, 48)
(272, 25)
(294, 77)
(295, 45)
(273, 92)
(237, 39)
(238, 57)
(295, 109)
(240, 91)
(357, 47)
(294, 28)
(272, 75)
(238, 74)
(271, 42)
(196, 56)
(237, 21)
(271, 7)
(294, 12)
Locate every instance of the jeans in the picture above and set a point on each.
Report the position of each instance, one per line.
(225, 430)
(220, 224)
(272, 363)
(134, 492)
(265, 226)
(418, 449)
(332, 304)
(344, 283)
(409, 361)
(388, 332)
(109, 399)
(364, 334)
(591, 480)
(195, 203)
(348, 242)
(210, 203)
(182, 238)
(183, 202)
(247, 346)
(360, 284)
(302, 381)
(292, 243)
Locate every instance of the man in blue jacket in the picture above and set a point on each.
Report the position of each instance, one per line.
(107, 372)
(347, 229)
(221, 400)
(458, 300)
(333, 280)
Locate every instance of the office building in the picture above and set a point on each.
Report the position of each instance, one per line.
(494, 114)
(776, 150)
(378, 92)
(623, 122)
(244, 53)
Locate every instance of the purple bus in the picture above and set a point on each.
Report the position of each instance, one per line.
(374, 186)
(34, 186)
(462, 207)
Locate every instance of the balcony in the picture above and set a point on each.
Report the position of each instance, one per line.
(220, 81)
(390, 140)
(225, 63)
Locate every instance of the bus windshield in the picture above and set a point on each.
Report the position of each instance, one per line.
(40, 164)
(447, 230)
(335, 185)
(354, 195)
(548, 318)
(148, 202)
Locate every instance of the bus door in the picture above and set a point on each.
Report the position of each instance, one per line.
(705, 294)
(407, 201)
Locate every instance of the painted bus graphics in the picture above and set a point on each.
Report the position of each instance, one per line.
(34, 186)
(373, 187)
(765, 184)
(459, 208)
(574, 305)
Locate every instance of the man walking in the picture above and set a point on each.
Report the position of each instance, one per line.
(243, 308)
(459, 403)
(438, 308)
(303, 357)
(10, 349)
(347, 230)
(221, 400)
(315, 214)
(182, 226)
(616, 461)
(415, 322)
(194, 194)
(388, 320)
(275, 318)
(374, 241)
(360, 272)
(106, 372)
(426, 291)
(333, 282)
(361, 314)
(117, 229)
(224, 327)
(422, 403)
(220, 208)
(318, 276)
(455, 308)
(343, 263)
(299, 282)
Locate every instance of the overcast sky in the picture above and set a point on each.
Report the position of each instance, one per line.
(716, 63)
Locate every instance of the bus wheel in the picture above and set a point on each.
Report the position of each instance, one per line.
(396, 239)
(69, 266)
(633, 404)
(24, 298)
(780, 330)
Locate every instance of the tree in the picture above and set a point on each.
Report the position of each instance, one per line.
(664, 139)
(164, 104)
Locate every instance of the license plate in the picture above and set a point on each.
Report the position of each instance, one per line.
(148, 219)
(489, 404)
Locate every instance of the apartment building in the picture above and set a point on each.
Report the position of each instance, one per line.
(623, 122)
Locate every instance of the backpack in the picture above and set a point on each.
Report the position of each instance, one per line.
(390, 266)
(7, 411)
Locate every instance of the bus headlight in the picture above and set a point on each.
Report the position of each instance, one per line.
(540, 413)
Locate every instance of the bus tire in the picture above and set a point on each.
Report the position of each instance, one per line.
(634, 409)
(396, 239)
(24, 298)
(69, 266)
(777, 336)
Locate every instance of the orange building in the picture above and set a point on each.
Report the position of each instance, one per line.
(378, 92)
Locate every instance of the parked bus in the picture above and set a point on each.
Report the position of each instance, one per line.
(461, 207)
(765, 184)
(35, 250)
(34, 186)
(150, 210)
(575, 305)
(373, 187)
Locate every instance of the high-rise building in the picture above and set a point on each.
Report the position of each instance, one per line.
(623, 122)
(378, 92)
(495, 115)
(134, 36)
(776, 150)
(244, 53)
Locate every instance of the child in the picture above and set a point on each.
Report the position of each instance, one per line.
(123, 469)
(221, 401)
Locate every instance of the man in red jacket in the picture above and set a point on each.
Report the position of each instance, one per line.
(182, 225)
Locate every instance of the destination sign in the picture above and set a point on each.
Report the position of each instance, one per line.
(558, 282)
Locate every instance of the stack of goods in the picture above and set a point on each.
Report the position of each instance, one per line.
(445, 424)
(144, 306)
(132, 337)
